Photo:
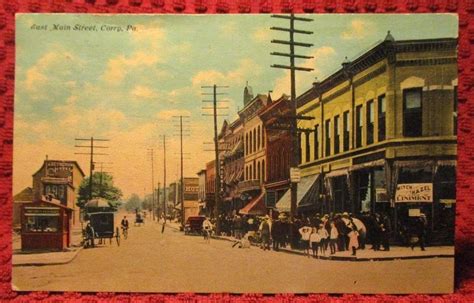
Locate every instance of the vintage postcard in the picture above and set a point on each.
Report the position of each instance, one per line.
(235, 153)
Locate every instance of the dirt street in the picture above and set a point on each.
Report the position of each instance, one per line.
(149, 261)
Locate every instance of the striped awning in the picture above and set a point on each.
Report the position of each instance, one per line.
(303, 188)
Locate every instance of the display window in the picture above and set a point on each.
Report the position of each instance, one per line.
(42, 224)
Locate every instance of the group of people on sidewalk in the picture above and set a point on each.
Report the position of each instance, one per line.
(321, 235)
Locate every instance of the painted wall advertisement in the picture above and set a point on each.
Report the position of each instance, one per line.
(414, 192)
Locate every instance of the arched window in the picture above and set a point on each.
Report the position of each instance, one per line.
(250, 143)
(263, 170)
(258, 171)
(258, 137)
(263, 137)
(246, 144)
(254, 170)
(254, 140)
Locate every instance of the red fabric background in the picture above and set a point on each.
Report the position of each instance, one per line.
(465, 220)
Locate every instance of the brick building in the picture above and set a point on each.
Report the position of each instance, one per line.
(384, 138)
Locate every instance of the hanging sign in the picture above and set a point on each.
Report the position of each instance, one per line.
(414, 192)
(295, 175)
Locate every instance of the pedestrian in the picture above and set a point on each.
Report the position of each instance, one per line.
(305, 233)
(419, 232)
(276, 232)
(324, 235)
(163, 218)
(207, 227)
(237, 225)
(354, 240)
(361, 229)
(265, 233)
(386, 232)
(90, 235)
(333, 238)
(315, 240)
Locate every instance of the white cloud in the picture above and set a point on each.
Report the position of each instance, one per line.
(262, 35)
(246, 70)
(118, 67)
(143, 92)
(57, 62)
(358, 29)
(168, 114)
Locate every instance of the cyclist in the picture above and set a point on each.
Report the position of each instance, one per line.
(124, 225)
(207, 228)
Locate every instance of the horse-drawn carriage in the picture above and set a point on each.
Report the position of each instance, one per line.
(101, 225)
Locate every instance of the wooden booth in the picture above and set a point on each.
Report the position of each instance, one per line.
(45, 225)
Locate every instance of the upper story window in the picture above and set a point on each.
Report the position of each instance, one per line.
(300, 140)
(455, 111)
(370, 117)
(345, 122)
(254, 148)
(381, 118)
(246, 144)
(316, 142)
(359, 125)
(250, 142)
(307, 148)
(336, 135)
(258, 137)
(412, 112)
(328, 137)
(263, 137)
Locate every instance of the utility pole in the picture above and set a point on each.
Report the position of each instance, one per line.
(151, 153)
(215, 108)
(164, 177)
(294, 151)
(91, 154)
(180, 186)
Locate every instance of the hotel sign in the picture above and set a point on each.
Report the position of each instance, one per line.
(414, 192)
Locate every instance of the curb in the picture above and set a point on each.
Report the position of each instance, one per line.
(352, 259)
(76, 252)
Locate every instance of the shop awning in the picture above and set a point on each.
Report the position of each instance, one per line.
(446, 162)
(337, 173)
(380, 162)
(306, 184)
(255, 207)
(413, 163)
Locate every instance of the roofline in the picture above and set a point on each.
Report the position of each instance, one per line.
(371, 52)
(67, 161)
(274, 104)
(258, 96)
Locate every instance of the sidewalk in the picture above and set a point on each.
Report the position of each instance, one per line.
(395, 253)
(40, 258)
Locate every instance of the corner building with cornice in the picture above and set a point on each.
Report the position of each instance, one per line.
(383, 138)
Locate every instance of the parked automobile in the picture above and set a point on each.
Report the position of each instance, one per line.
(193, 225)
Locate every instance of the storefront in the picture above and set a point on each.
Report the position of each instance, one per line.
(308, 200)
(45, 225)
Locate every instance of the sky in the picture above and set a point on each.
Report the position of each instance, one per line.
(127, 85)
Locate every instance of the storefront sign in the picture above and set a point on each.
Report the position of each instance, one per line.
(41, 211)
(414, 192)
(414, 212)
(295, 175)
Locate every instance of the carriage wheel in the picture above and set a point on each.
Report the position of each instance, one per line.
(117, 236)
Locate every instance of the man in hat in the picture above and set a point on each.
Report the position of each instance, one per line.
(265, 233)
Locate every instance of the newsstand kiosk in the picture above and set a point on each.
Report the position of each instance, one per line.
(45, 225)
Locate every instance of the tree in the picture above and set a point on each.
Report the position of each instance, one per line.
(102, 187)
(133, 203)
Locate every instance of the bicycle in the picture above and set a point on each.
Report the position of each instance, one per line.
(125, 232)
